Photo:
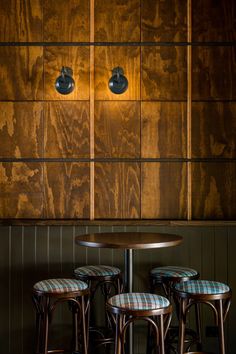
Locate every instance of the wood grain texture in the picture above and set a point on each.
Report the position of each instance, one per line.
(21, 122)
(66, 190)
(214, 20)
(21, 71)
(21, 21)
(66, 22)
(117, 21)
(106, 59)
(164, 73)
(76, 58)
(117, 129)
(21, 190)
(66, 129)
(214, 129)
(163, 129)
(164, 21)
(164, 190)
(117, 190)
(214, 190)
(214, 73)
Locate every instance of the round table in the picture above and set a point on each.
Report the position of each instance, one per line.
(129, 241)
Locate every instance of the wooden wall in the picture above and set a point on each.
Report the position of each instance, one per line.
(165, 149)
(31, 253)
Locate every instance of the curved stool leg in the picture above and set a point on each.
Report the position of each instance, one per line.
(221, 327)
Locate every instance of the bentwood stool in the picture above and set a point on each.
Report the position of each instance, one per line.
(166, 277)
(46, 295)
(214, 294)
(109, 280)
(129, 307)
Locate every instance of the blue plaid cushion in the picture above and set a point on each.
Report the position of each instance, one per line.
(173, 271)
(97, 270)
(139, 301)
(60, 285)
(202, 287)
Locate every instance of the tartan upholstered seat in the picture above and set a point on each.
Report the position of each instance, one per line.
(60, 285)
(202, 287)
(97, 271)
(139, 301)
(173, 271)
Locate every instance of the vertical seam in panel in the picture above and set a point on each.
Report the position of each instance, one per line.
(91, 100)
(140, 115)
(189, 108)
(9, 287)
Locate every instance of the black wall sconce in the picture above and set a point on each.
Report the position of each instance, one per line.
(118, 83)
(65, 83)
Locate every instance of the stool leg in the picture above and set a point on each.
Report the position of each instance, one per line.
(161, 336)
(45, 326)
(221, 327)
(84, 326)
(182, 320)
(199, 327)
(117, 338)
(75, 327)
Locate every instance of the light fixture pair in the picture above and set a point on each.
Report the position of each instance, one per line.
(65, 83)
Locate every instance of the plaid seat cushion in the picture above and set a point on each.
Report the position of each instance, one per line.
(97, 270)
(202, 287)
(60, 285)
(139, 301)
(173, 271)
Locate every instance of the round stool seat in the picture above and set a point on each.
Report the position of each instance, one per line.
(59, 286)
(203, 287)
(97, 271)
(173, 272)
(139, 301)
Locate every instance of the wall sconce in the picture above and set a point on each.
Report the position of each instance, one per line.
(65, 83)
(118, 83)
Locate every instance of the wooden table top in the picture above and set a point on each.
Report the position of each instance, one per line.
(129, 240)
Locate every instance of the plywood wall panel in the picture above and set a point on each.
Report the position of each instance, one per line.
(21, 73)
(214, 129)
(108, 58)
(163, 129)
(117, 190)
(117, 21)
(66, 129)
(21, 190)
(214, 20)
(66, 190)
(214, 190)
(21, 21)
(117, 129)
(21, 122)
(66, 22)
(164, 73)
(76, 58)
(164, 21)
(214, 73)
(164, 190)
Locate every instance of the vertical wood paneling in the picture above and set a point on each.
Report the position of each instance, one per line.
(164, 73)
(108, 58)
(21, 190)
(66, 22)
(21, 122)
(163, 129)
(214, 20)
(117, 190)
(21, 21)
(164, 21)
(117, 129)
(66, 129)
(21, 73)
(117, 21)
(76, 58)
(214, 129)
(164, 190)
(66, 190)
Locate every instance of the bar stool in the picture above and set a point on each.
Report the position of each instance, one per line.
(46, 295)
(166, 277)
(216, 295)
(129, 307)
(109, 280)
